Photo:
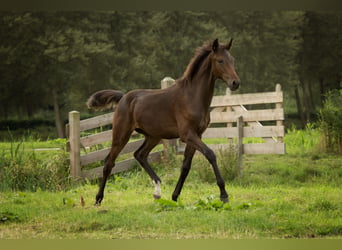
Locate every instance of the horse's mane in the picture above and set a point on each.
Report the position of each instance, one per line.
(196, 61)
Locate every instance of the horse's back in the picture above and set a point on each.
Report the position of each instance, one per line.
(151, 111)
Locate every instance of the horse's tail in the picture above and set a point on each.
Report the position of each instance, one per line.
(104, 99)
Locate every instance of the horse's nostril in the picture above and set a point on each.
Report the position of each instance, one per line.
(236, 84)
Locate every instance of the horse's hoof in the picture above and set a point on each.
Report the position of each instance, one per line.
(98, 200)
(156, 196)
(224, 199)
(98, 203)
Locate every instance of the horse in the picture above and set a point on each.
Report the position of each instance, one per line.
(179, 111)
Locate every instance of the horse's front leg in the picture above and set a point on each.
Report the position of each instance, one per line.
(195, 141)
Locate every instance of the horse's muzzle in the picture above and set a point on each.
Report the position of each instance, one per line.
(234, 85)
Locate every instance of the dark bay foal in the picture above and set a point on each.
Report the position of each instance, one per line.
(180, 111)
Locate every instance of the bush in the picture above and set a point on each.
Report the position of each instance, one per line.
(302, 141)
(330, 122)
(21, 168)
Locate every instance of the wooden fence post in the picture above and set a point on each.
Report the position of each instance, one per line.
(279, 105)
(240, 144)
(74, 138)
(229, 109)
(165, 83)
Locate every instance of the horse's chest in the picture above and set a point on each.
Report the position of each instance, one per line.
(195, 118)
(203, 123)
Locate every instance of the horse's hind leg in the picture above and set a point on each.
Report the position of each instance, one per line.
(188, 155)
(141, 156)
(120, 139)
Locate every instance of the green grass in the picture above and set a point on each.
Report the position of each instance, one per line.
(253, 212)
(297, 195)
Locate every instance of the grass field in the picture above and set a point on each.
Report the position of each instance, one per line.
(297, 195)
(253, 212)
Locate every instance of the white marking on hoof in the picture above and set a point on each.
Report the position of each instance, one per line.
(157, 190)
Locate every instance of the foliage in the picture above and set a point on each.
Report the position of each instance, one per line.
(265, 47)
(57, 59)
(6, 217)
(330, 122)
(22, 167)
(319, 60)
(168, 205)
(300, 141)
(322, 205)
(208, 203)
(45, 55)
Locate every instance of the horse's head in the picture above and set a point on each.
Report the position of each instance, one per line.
(223, 64)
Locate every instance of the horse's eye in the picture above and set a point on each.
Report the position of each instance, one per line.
(220, 61)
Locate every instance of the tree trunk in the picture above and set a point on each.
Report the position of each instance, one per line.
(58, 120)
(311, 97)
(321, 89)
(29, 110)
(305, 105)
(299, 107)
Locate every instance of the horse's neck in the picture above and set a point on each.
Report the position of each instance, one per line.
(203, 89)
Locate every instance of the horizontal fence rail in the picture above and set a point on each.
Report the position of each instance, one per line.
(78, 142)
(228, 108)
(248, 116)
(230, 119)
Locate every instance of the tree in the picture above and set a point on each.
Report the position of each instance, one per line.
(265, 44)
(52, 61)
(20, 62)
(320, 60)
(69, 41)
(46, 54)
(170, 40)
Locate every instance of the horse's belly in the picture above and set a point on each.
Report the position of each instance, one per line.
(158, 128)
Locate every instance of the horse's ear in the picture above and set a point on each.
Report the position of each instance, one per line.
(215, 45)
(227, 47)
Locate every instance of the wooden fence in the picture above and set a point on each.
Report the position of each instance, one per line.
(81, 153)
(229, 116)
(265, 122)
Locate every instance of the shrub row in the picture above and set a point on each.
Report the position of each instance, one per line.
(24, 124)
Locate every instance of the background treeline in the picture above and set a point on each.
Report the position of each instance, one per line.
(50, 62)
